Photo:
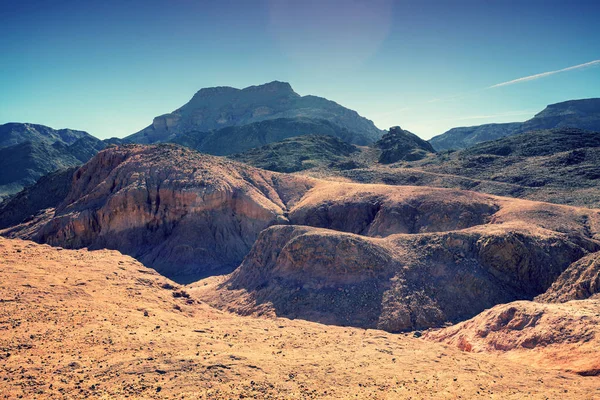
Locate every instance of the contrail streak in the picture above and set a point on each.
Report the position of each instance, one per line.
(544, 74)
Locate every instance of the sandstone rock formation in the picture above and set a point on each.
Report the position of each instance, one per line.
(559, 336)
(180, 212)
(396, 258)
(405, 258)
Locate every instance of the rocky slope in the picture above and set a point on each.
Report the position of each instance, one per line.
(582, 114)
(464, 137)
(236, 139)
(557, 166)
(298, 153)
(400, 145)
(81, 324)
(23, 164)
(396, 258)
(558, 336)
(214, 108)
(185, 214)
(403, 258)
(47, 193)
(580, 281)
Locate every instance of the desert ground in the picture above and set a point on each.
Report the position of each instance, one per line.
(97, 324)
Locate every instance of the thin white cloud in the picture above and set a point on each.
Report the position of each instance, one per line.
(544, 74)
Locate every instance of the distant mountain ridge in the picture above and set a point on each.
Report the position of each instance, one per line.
(30, 151)
(212, 109)
(14, 133)
(581, 114)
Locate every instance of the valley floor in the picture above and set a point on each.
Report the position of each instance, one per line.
(79, 324)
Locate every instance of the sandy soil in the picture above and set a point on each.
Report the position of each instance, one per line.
(79, 324)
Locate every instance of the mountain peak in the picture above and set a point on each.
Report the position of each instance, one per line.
(222, 107)
(274, 86)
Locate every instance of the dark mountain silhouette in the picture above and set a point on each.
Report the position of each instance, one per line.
(400, 145)
(30, 151)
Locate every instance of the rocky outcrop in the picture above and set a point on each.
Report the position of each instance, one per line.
(355, 271)
(561, 336)
(400, 145)
(395, 258)
(580, 281)
(185, 214)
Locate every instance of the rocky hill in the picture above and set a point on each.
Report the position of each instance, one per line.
(400, 145)
(100, 324)
(558, 336)
(405, 258)
(395, 258)
(23, 164)
(47, 193)
(185, 214)
(212, 109)
(298, 153)
(558, 166)
(582, 114)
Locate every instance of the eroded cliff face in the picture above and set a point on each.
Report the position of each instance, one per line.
(185, 214)
(399, 283)
(578, 282)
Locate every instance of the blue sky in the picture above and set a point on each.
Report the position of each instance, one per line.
(109, 67)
